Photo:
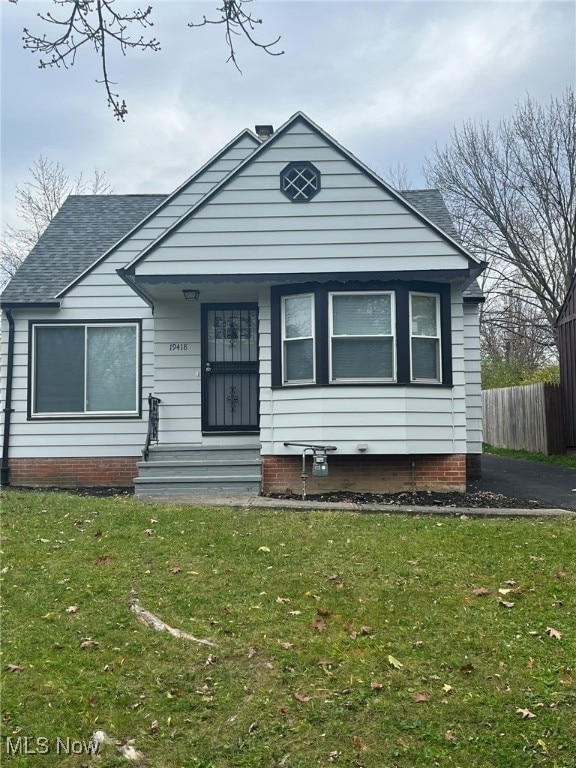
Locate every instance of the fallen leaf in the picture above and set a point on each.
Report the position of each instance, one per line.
(294, 613)
(334, 755)
(554, 633)
(14, 668)
(148, 531)
(560, 575)
(376, 686)
(467, 668)
(504, 591)
(325, 663)
(394, 662)
(339, 584)
(5, 569)
(450, 736)
(283, 600)
(324, 613)
(72, 609)
(526, 714)
(302, 696)
(286, 646)
(334, 576)
(103, 560)
(89, 643)
(447, 688)
(194, 573)
(421, 696)
(359, 743)
(98, 534)
(253, 726)
(367, 631)
(319, 625)
(506, 604)
(511, 583)
(263, 549)
(480, 591)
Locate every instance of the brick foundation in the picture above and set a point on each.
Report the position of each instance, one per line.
(113, 471)
(367, 474)
(473, 466)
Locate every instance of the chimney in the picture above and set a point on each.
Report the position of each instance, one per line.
(264, 132)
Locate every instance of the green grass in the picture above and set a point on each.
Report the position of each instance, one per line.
(309, 611)
(560, 460)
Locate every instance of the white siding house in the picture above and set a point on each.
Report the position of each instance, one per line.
(283, 294)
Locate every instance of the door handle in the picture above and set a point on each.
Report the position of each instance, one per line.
(208, 368)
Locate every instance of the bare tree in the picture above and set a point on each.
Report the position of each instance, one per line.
(512, 192)
(102, 26)
(37, 202)
(398, 176)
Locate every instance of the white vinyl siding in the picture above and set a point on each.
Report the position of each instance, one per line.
(362, 344)
(250, 227)
(473, 377)
(102, 295)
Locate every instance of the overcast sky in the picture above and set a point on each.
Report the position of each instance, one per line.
(388, 80)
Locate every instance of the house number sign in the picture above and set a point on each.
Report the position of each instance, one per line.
(178, 346)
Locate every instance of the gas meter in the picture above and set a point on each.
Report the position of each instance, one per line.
(320, 464)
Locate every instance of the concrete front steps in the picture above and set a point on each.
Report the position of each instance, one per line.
(176, 470)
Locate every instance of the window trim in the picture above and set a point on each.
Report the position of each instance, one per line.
(33, 415)
(332, 336)
(300, 165)
(401, 289)
(284, 340)
(437, 337)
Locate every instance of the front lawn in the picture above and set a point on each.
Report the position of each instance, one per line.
(342, 639)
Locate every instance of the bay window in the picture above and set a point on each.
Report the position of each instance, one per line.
(376, 332)
(87, 369)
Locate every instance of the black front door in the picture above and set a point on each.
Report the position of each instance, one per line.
(229, 367)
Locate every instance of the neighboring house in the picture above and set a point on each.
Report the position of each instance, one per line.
(283, 294)
(566, 325)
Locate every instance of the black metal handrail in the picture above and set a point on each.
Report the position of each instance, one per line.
(153, 422)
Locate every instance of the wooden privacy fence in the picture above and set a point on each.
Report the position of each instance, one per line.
(528, 418)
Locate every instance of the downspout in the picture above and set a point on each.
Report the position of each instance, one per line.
(4, 468)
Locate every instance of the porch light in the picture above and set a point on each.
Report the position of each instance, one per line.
(191, 294)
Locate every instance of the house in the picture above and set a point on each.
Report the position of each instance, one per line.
(566, 326)
(283, 296)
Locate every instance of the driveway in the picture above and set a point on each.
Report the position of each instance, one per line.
(549, 484)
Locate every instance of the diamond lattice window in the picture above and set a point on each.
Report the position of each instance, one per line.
(300, 182)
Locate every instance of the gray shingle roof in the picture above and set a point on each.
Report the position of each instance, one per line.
(87, 226)
(84, 228)
(431, 203)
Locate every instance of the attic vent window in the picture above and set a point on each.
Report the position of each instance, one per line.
(300, 182)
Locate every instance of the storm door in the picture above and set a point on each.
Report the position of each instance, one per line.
(229, 367)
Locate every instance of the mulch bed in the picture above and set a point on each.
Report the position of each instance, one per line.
(476, 500)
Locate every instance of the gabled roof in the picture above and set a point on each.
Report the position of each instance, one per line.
(129, 269)
(85, 227)
(88, 228)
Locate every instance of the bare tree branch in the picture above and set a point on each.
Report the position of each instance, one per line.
(512, 192)
(100, 25)
(37, 202)
(237, 23)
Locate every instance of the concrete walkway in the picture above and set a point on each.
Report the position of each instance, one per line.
(252, 501)
(534, 480)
